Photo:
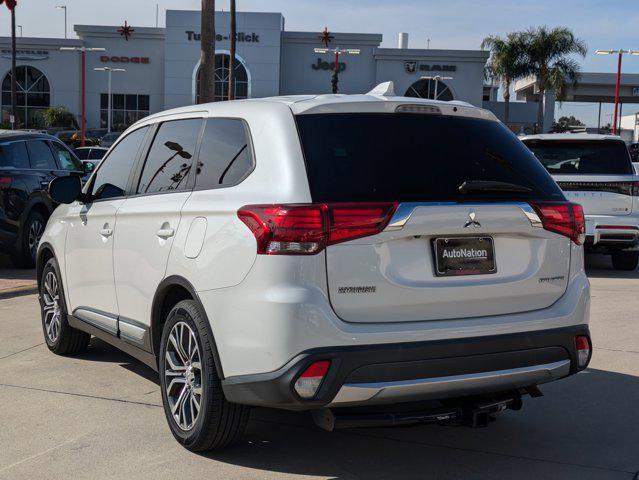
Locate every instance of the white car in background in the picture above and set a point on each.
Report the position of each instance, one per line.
(596, 172)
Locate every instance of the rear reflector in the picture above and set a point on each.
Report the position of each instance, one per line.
(306, 229)
(582, 343)
(310, 380)
(564, 218)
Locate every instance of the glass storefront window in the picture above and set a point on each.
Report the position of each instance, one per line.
(222, 67)
(126, 110)
(33, 96)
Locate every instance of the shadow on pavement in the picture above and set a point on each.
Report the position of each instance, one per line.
(600, 266)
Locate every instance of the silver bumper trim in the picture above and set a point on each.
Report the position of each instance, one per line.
(450, 386)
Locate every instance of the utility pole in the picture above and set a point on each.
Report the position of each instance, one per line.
(620, 54)
(232, 40)
(63, 7)
(207, 52)
(326, 38)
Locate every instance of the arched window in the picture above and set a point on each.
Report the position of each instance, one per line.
(34, 95)
(430, 88)
(222, 64)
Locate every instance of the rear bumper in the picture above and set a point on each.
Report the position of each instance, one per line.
(608, 233)
(407, 372)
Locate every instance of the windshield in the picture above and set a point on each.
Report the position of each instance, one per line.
(413, 157)
(581, 157)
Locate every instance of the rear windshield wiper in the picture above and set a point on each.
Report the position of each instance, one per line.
(492, 186)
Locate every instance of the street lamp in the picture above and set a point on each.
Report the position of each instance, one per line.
(20, 27)
(619, 52)
(109, 70)
(63, 7)
(83, 51)
(437, 78)
(337, 52)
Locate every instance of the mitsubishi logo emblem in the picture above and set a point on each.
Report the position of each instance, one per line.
(472, 221)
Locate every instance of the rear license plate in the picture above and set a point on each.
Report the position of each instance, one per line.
(464, 256)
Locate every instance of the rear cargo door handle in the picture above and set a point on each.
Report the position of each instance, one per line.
(165, 232)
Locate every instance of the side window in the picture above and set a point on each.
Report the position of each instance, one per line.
(82, 153)
(111, 178)
(65, 158)
(14, 155)
(225, 156)
(96, 154)
(40, 155)
(170, 157)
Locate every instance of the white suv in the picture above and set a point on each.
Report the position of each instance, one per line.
(406, 257)
(597, 172)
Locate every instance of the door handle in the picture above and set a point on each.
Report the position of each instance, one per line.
(165, 233)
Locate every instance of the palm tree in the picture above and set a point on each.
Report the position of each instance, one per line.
(207, 52)
(232, 40)
(507, 62)
(549, 54)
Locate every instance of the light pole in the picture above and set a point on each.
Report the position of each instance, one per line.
(437, 78)
(20, 27)
(109, 70)
(63, 7)
(619, 52)
(83, 51)
(337, 52)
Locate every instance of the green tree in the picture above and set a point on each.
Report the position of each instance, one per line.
(55, 117)
(549, 56)
(566, 124)
(507, 62)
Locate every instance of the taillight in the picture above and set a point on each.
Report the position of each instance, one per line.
(5, 182)
(635, 189)
(582, 344)
(309, 381)
(563, 218)
(306, 229)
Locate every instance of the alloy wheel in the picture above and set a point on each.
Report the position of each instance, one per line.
(183, 375)
(51, 306)
(36, 229)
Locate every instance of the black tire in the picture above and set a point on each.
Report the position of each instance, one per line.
(218, 423)
(61, 339)
(627, 261)
(27, 248)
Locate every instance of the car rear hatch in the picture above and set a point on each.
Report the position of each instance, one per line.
(438, 249)
(598, 174)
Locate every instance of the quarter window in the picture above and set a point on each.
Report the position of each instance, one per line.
(40, 155)
(113, 175)
(225, 157)
(14, 155)
(65, 158)
(170, 157)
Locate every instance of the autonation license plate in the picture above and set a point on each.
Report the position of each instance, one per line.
(464, 256)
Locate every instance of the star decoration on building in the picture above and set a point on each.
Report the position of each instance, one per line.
(126, 31)
(326, 37)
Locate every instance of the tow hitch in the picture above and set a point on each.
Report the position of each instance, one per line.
(471, 411)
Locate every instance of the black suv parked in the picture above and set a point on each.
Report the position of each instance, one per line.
(28, 162)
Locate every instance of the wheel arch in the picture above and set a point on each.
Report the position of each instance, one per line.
(45, 252)
(172, 290)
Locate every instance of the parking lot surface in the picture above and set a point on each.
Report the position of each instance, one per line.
(99, 415)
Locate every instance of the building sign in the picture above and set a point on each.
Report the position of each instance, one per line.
(123, 59)
(412, 66)
(635, 91)
(240, 37)
(324, 65)
(26, 54)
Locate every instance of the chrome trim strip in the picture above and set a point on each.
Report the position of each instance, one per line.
(133, 331)
(100, 320)
(405, 210)
(449, 386)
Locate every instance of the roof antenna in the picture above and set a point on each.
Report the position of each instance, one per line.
(386, 89)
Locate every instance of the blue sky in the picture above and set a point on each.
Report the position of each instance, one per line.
(449, 24)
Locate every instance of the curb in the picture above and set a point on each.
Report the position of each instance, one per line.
(18, 292)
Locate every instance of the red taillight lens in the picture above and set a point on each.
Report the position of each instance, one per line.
(582, 344)
(306, 229)
(309, 381)
(563, 218)
(5, 182)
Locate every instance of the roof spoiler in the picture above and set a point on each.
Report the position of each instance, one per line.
(386, 89)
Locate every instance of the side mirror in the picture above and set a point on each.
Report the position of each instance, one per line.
(88, 167)
(66, 189)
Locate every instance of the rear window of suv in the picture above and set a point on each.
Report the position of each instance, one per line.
(415, 157)
(579, 157)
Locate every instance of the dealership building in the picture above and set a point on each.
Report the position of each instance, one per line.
(162, 66)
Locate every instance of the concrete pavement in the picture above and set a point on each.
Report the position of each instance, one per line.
(99, 415)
